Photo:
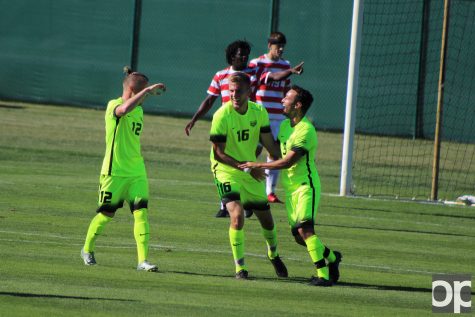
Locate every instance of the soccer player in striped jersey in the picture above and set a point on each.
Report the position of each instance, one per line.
(270, 93)
(298, 146)
(123, 175)
(236, 129)
(237, 56)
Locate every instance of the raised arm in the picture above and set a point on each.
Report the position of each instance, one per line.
(276, 76)
(137, 99)
(205, 106)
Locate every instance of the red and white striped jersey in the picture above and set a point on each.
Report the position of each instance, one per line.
(270, 94)
(219, 84)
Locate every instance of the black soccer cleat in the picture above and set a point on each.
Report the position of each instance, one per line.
(333, 269)
(279, 267)
(222, 213)
(320, 281)
(242, 275)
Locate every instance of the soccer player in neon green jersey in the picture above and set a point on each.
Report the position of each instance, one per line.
(123, 176)
(298, 146)
(235, 132)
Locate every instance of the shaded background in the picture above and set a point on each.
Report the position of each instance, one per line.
(72, 52)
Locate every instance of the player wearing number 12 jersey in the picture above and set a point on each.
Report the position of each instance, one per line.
(123, 176)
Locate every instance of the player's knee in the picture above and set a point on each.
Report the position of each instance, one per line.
(297, 237)
(237, 220)
(108, 214)
(141, 215)
(300, 240)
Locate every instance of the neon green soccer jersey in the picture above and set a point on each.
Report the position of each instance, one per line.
(301, 139)
(123, 154)
(240, 132)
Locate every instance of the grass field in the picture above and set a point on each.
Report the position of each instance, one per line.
(50, 159)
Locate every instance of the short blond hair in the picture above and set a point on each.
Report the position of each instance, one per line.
(240, 77)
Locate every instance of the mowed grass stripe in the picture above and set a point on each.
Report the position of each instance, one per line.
(49, 167)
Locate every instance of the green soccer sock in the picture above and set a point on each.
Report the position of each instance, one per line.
(141, 233)
(236, 237)
(95, 229)
(315, 249)
(271, 240)
(329, 255)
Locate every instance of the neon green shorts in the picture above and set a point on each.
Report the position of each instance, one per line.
(114, 190)
(251, 193)
(301, 205)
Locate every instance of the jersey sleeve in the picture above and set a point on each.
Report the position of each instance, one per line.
(264, 77)
(110, 111)
(303, 141)
(218, 132)
(214, 87)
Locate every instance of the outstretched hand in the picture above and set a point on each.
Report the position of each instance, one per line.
(256, 172)
(247, 165)
(157, 89)
(298, 69)
(189, 126)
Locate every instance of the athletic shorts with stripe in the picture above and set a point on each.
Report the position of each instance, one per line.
(301, 205)
(244, 188)
(114, 190)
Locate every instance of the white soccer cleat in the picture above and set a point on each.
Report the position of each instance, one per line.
(145, 266)
(88, 258)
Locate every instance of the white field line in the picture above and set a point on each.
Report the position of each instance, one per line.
(196, 250)
(327, 214)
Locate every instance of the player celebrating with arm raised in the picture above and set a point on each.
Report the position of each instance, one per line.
(235, 132)
(123, 176)
(270, 93)
(298, 145)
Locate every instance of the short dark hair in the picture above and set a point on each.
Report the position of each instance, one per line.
(304, 96)
(232, 49)
(240, 77)
(277, 38)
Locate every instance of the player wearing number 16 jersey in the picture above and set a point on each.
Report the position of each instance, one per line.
(235, 132)
(123, 176)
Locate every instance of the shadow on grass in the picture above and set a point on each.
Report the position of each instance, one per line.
(11, 107)
(250, 278)
(305, 281)
(16, 294)
(398, 230)
(389, 287)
